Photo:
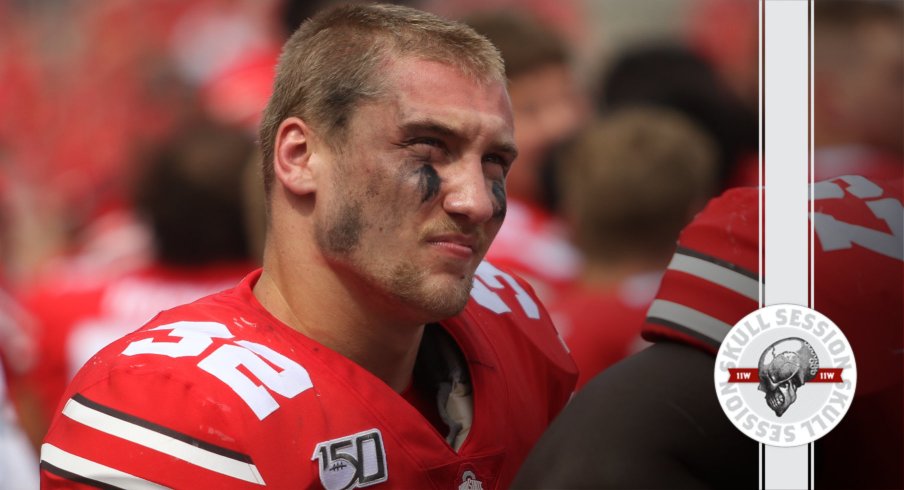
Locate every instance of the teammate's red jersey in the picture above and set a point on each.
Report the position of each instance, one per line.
(77, 315)
(601, 326)
(858, 283)
(712, 282)
(221, 394)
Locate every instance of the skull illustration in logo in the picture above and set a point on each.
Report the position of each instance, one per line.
(784, 367)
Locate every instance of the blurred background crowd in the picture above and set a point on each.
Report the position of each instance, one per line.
(129, 174)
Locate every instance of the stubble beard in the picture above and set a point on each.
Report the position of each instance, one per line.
(411, 285)
(340, 240)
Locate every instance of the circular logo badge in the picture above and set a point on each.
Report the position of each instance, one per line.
(785, 375)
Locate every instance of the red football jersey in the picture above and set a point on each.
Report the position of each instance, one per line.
(77, 316)
(712, 282)
(221, 394)
(858, 283)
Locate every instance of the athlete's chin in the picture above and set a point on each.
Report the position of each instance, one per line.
(453, 298)
(432, 292)
(444, 298)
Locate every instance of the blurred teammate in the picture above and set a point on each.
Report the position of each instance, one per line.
(374, 345)
(188, 192)
(629, 183)
(653, 420)
(858, 75)
(549, 107)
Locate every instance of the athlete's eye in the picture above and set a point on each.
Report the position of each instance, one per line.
(427, 149)
(498, 160)
(426, 142)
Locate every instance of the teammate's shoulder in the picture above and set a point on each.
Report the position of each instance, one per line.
(732, 215)
(712, 280)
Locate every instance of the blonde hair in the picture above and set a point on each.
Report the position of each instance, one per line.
(332, 63)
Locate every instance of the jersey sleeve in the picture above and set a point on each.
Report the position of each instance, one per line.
(712, 281)
(147, 426)
(180, 403)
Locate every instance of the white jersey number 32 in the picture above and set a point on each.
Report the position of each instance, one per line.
(224, 362)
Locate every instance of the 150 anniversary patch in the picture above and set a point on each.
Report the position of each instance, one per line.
(785, 375)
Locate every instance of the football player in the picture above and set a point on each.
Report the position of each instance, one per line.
(858, 72)
(629, 183)
(374, 346)
(653, 420)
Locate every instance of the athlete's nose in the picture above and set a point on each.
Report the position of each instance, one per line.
(468, 193)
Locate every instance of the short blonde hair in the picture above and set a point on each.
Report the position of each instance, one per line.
(332, 63)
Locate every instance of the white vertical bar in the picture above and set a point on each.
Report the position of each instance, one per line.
(786, 105)
(786, 158)
(761, 106)
(811, 465)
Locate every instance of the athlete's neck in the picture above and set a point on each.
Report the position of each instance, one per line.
(319, 307)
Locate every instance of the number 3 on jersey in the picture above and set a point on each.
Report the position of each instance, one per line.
(224, 362)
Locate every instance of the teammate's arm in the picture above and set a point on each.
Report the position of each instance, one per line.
(650, 421)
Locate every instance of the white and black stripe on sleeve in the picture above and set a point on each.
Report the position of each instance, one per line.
(695, 314)
(134, 430)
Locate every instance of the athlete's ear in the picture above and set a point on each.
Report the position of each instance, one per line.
(296, 155)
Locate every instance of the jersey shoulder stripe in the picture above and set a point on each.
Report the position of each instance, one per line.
(158, 438)
(718, 271)
(689, 321)
(80, 470)
(694, 283)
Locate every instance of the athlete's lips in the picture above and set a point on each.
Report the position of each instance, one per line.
(455, 243)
